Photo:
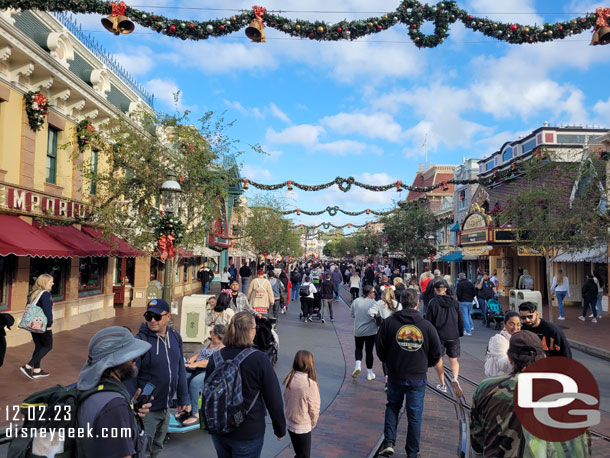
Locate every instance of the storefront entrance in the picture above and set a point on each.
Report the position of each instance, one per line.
(124, 270)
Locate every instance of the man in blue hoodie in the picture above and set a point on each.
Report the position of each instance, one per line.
(163, 366)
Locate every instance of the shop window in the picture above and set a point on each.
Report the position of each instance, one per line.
(185, 271)
(124, 270)
(155, 269)
(57, 268)
(52, 155)
(4, 282)
(91, 276)
(94, 160)
(462, 200)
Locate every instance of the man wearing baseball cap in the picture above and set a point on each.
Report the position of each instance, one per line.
(107, 404)
(495, 429)
(162, 366)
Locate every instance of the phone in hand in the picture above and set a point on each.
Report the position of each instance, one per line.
(144, 397)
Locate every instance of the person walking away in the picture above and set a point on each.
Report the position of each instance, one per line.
(195, 368)
(327, 294)
(302, 402)
(485, 291)
(346, 275)
(600, 294)
(239, 301)
(337, 279)
(277, 287)
(466, 293)
(260, 390)
(260, 293)
(224, 279)
(107, 404)
(295, 279)
(163, 366)
(285, 298)
(519, 277)
(445, 315)
(496, 359)
(6, 321)
(425, 278)
(552, 337)
(560, 287)
(354, 286)
(245, 273)
(365, 330)
(307, 290)
(408, 345)
(369, 275)
(381, 311)
(43, 342)
(205, 276)
(589, 297)
(232, 272)
(526, 281)
(495, 430)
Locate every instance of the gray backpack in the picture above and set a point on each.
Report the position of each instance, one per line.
(223, 402)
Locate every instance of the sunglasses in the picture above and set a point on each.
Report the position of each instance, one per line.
(148, 316)
(527, 317)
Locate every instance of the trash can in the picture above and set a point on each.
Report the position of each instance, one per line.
(518, 296)
(192, 318)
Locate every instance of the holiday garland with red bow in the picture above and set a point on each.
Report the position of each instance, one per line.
(169, 231)
(36, 108)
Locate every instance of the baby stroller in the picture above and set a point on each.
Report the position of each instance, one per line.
(494, 314)
(317, 307)
(266, 339)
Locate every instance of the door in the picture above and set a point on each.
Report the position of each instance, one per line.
(120, 279)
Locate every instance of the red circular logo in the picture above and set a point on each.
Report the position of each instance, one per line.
(557, 399)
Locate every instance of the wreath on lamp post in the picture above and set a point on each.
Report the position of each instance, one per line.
(169, 232)
(36, 108)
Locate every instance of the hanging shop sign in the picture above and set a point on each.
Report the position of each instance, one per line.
(526, 251)
(475, 251)
(475, 229)
(23, 201)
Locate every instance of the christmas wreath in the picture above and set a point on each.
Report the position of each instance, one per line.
(168, 231)
(36, 107)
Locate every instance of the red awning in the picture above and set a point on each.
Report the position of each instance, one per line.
(22, 239)
(82, 244)
(119, 248)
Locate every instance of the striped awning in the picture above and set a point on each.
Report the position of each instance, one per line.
(598, 255)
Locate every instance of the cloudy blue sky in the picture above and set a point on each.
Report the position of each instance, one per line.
(364, 108)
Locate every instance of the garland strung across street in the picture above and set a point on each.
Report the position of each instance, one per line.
(332, 211)
(410, 13)
(327, 226)
(345, 184)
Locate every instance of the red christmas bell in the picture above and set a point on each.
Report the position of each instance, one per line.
(368, 211)
(398, 186)
(298, 213)
(245, 184)
(289, 185)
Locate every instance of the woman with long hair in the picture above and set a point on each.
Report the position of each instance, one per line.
(561, 288)
(43, 343)
(260, 391)
(222, 311)
(496, 359)
(302, 402)
(365, 330)
(354, 285)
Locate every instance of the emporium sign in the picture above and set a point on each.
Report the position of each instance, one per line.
(34, 203)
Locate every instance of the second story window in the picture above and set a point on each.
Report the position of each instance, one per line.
(52, 156)
(94, 161)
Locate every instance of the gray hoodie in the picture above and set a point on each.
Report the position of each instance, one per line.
(364, 324)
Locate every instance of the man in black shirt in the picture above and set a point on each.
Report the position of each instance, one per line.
(553, 339)
(486, 290)
(245, 273)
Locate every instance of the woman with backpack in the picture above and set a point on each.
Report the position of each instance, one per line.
(302, 401)
(260, 390)
(43, 343)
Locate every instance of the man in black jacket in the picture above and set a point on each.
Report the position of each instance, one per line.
(465, 293)
(553, 339)
(327, 295)
(485, 290)
(245, 273)
(444, 313)
(408, 345)
(205, 276)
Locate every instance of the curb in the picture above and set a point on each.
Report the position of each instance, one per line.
(590, 349)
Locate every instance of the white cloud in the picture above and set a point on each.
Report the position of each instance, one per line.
(374, 125)
(603, 111)
(252, 112)
(272, 155)
(303, 134)
(137, 61)
(279, 114)
(165, 90)
(345, 147)
(520, 11)
(254, 172)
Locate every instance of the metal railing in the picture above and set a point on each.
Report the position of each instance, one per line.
(97, 49)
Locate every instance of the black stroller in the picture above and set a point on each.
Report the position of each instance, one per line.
(317, 307)
(266, 339)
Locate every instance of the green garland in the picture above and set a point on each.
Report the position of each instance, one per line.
(410, 13)
(332, 211)
(36, 108)
(85, 134)
(169, 225)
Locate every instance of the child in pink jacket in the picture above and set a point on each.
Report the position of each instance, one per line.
(302, 402)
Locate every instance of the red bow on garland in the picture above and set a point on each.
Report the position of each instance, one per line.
(603, 15)
(118, 9)
(40, 99)
(166, 246)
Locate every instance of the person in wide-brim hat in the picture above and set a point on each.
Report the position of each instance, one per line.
(108, 348)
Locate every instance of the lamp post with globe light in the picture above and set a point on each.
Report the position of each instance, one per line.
(170, 200)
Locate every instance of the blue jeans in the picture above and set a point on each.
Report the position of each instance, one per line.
(483, 307)
(231, 448)
(598, 304)
(415, 407)
(560, 297)
(244, 284)
(466, 310)
(206, 287)
(337, 289)
(295, 291)
(195, 389)
(586, 303)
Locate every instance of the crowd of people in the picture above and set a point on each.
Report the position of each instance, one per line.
(410, 322)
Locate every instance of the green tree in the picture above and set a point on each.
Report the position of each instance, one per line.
(559, 207)
(410, 230)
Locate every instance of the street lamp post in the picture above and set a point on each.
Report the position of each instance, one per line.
(170, 197)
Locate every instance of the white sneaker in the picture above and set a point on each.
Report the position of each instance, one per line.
(581, 318)
(591, 316)
(594, 320)
(467, 333)
(370, 376)
(561, 318)
(356, 372)
(442, 388)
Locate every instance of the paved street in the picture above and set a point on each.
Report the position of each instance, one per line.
(351, 422)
